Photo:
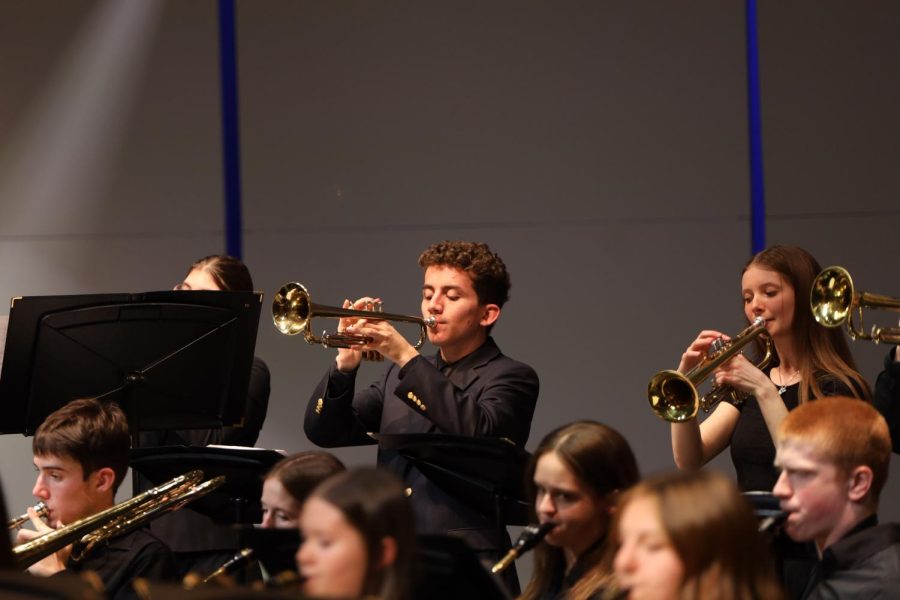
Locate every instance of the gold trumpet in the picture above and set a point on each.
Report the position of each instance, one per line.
(833, 301)
(673, 396)
(116, 520)
(40, 508)
(293, 311)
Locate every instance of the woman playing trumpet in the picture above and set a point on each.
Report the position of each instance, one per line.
(809, 361)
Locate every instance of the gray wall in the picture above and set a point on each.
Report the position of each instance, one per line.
(599, 147)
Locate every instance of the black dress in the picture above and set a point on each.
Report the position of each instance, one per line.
(752, 448)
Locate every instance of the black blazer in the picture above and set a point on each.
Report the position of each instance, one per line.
(487, 394)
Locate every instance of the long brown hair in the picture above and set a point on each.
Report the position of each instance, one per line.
(602, 461)
(300, 473)
(375, 504)
(229, 273)
(819, 349)
(712, 529)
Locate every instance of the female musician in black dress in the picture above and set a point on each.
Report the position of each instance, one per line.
(809, 362)
(199, 544)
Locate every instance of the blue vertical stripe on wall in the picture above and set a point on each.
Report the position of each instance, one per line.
(757, 183)
(231, 143)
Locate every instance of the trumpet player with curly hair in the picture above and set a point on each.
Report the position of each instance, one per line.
(467, 388)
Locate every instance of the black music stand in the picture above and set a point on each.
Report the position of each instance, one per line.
(447, 569)
(275, 549)
(171, 360)
(237, 501)
(486, 474)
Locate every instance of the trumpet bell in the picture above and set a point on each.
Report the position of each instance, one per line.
(832, 297)
(672, 396)
(291, 309)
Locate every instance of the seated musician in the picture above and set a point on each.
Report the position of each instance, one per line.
(468, 388)
(691, 535)
(199, 543)
(358, 538)
(289, 482)
(833, 455)
(577, 473)
(81, 454)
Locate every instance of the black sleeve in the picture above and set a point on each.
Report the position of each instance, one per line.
(337, 416)
(887, 397)
(503, 408)
(154, 562)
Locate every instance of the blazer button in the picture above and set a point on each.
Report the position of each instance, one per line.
(319, 404)
(408, 491)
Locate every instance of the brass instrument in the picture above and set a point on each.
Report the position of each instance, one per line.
(833, 301)
(673, 396)
(293, 311)
(116, 520)
(40, 508)
(530, 537)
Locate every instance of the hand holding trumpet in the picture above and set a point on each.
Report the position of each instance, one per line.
(54, 563)
(699, 348)
(385, 339)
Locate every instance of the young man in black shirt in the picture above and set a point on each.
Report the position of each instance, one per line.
(833, 454)
(81, 454)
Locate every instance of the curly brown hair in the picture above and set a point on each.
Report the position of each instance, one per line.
(486, 268)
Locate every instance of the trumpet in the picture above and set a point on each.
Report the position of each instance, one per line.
(116, 520)
(40, 508)
(293, 311)
(673, 396)
(834, 301)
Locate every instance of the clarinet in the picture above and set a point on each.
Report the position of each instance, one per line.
(530, 537)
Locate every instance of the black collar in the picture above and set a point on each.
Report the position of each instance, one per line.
(860, 543)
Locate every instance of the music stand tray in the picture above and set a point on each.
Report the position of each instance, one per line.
(447, 569)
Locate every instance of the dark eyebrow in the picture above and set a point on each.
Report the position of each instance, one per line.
(50, 468)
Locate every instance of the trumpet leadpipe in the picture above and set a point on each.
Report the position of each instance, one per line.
(40, 508)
